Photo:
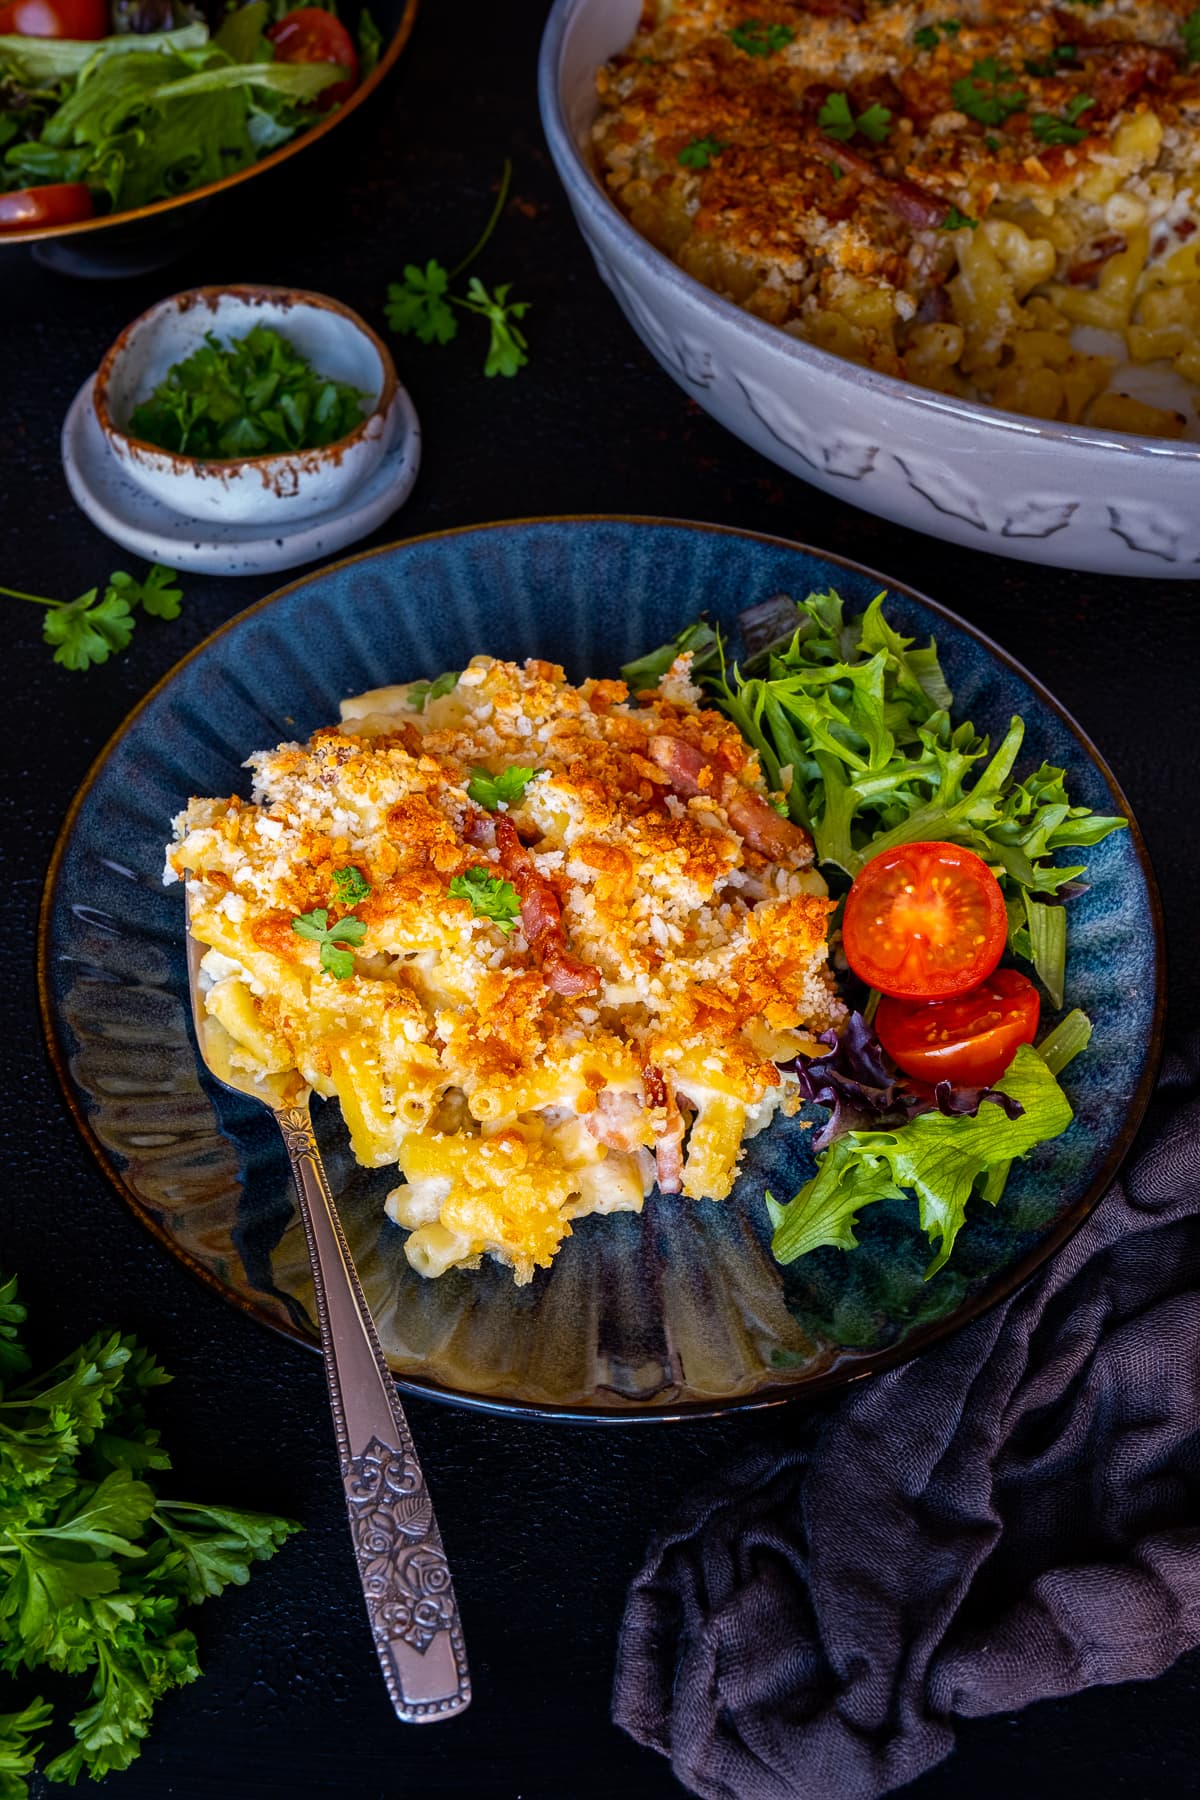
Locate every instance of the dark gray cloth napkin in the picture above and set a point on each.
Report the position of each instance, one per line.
(1012, 1516)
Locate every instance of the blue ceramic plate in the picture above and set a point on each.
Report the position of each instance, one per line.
(681, 1309)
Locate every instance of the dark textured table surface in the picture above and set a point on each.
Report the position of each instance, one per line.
(544, 1524)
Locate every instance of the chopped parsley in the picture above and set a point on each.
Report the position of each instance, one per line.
(1062, 53)
(837, 121)
(986, 94)
(420, 693)
(1049, 130)
(257, 395)
(757, 39)
(836, 170)
(490, 896)
(96, 626)
(700, 152)
(505, 789)
(1191, 36)
(316, 927)
(926, 37)
(955, 221)
(349, 886)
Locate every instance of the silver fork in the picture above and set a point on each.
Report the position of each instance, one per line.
(405, 1577)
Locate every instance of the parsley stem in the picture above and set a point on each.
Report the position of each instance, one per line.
(38, 599)
(493, 221)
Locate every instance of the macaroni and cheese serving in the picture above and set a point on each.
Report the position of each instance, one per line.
(547, 945)
(995, 199)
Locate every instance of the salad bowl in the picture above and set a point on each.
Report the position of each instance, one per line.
(135, 239)
(1067, 496)
(681, 1309)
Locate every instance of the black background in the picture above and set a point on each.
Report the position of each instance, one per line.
(544, 1524)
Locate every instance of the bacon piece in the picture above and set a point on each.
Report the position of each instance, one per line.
(541, 916)
(753, 818)
(1120, 71)
(834, 9)
(915, 205)
(1084, 270)
(666, 1121)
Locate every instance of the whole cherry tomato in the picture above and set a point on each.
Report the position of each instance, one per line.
(83, 19)
(924, 921)
(59, 204)
(310, 35)
(970, 1039)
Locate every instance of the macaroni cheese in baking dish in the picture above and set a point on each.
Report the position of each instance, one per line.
(545, 944)
(996, 199)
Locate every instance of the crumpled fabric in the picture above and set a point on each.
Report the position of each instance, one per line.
(1012, 1516)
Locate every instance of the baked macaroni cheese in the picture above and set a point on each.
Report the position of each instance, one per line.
(545, 944)
(990, 198)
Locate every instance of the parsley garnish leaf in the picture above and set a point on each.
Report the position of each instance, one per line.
(159, 594)
(505, 789)
(350, 886)
(837, 121)
(700, 152)
(316, 927)
(506, 350)
(418, 306)
(1049, 130)
(956, 220)
(1191, 36)
(757, 39)
(490, 896)
(420, 693)
(986, 93)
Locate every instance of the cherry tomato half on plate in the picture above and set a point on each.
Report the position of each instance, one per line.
(62, 203)
(924, 921)
(312, 36)
(83, 19)
(970, 1039)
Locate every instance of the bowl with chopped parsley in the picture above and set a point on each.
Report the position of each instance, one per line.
(248, 404)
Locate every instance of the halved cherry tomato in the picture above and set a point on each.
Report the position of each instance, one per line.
(83, 19)
(310, 35)
(924, 921)
(970, 1039)
(61, 203)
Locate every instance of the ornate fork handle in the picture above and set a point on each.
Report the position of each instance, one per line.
(405, 1576)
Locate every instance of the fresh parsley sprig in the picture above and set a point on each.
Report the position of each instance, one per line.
(98, 625)
(1190, 28)
(956, 221)
(422, 305)
(490, 897)
(316, 927)
(838, 121)
(926, 36)
(95, 1565)
(505, 789)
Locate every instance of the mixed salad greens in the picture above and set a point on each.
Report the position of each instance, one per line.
(104, 114)
(944, 860)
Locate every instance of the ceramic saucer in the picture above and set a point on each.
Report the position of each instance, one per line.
(148, 528)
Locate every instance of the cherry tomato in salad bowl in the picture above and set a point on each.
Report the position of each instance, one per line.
(924, 921)
(61, 203)
(969, 1039)
(82, 19)
(310, 35)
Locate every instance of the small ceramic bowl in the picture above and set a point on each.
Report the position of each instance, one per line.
(252, 490)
